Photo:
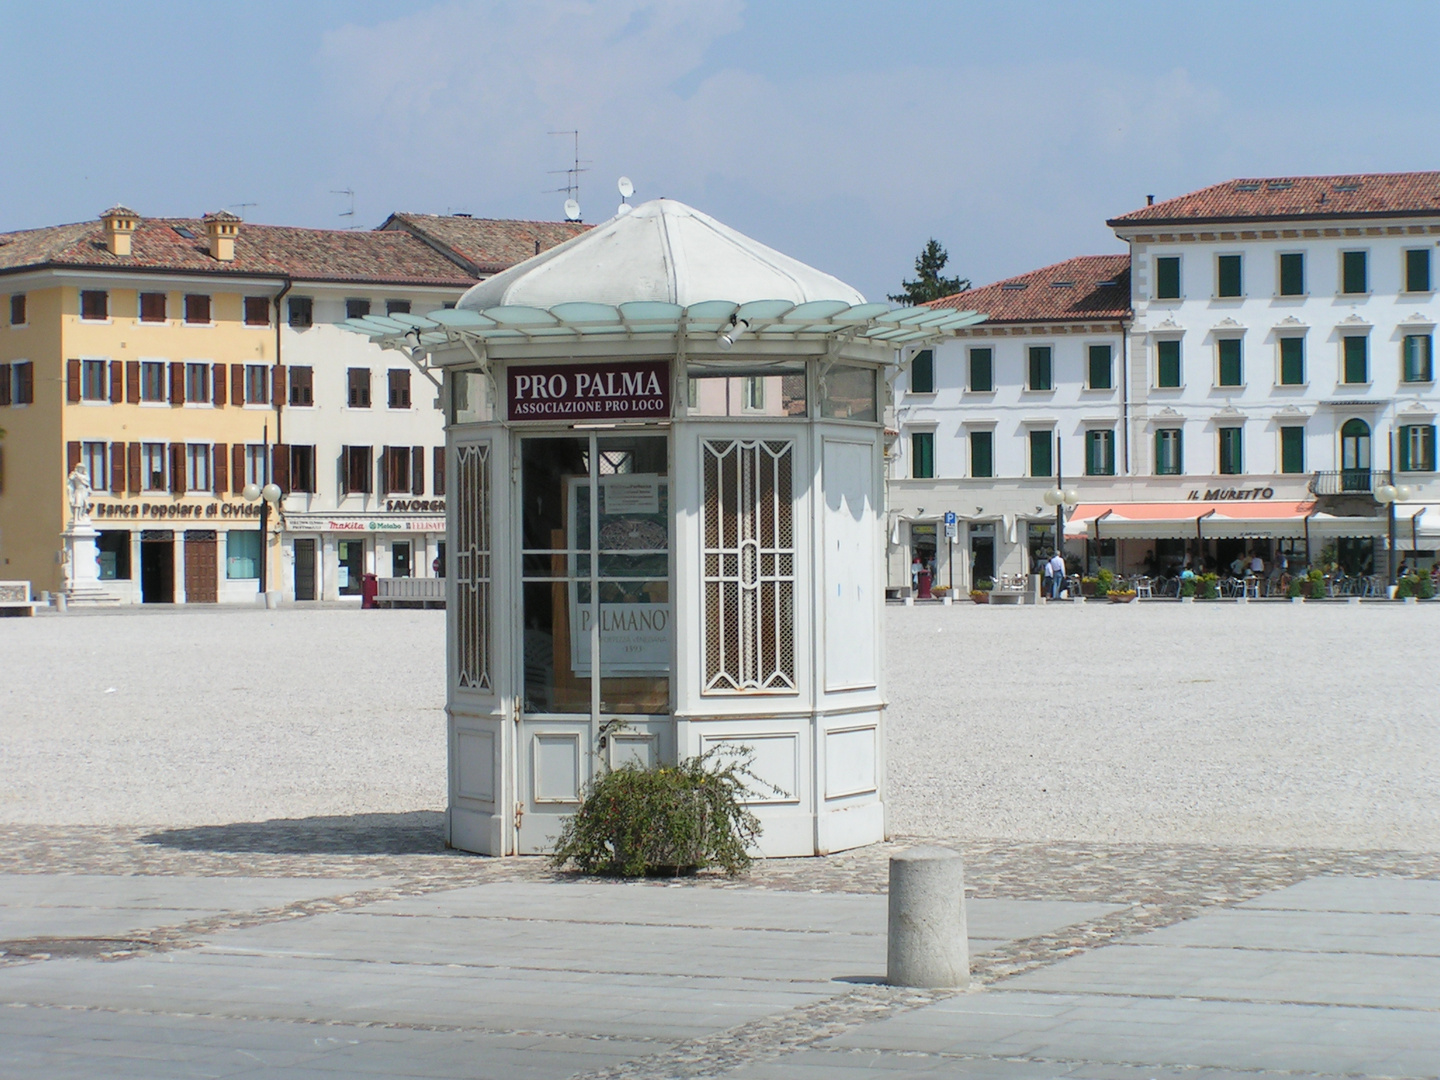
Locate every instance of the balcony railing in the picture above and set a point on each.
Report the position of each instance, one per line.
(1345, 482)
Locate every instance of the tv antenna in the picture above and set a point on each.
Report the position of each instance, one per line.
(241, 207)
(350, 213)
(572, 179)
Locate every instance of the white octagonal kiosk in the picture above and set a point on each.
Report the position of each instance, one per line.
(665, 495)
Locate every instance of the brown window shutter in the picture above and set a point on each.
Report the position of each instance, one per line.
(177, 383)
(72, 381)
(117, 468)
(237, 384)
(217, 385)
(382, 486)
(438, 472)
(277, 385)
(4, 384)
(280, 465)
(117, 382)
(222, 468)
(132, 381)
(136, 480)
(417, 470)
(72, 457)
(344, 470)
(177, 468)
(237, 468)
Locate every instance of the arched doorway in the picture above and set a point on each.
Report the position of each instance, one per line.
(1355, 456)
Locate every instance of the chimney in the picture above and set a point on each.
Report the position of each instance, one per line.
(120, 224)
(223, 227)
(1149, 200)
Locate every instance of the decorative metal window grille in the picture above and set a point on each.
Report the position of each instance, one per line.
(472, 567)
(749, 566)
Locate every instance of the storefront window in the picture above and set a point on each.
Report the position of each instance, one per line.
(113, 555)
(352, 566)
(242, 554)
(764, 392)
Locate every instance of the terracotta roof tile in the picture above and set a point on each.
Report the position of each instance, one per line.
(485, 245)
(1298, 197)
(1083, 288)
(268, 250)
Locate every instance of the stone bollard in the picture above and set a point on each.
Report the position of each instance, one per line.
(927, 941)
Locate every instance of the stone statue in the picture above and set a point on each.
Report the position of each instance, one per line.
(78, 485)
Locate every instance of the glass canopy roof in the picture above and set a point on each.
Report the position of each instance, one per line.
(764, 320)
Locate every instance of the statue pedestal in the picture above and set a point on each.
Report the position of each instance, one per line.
(82, 566)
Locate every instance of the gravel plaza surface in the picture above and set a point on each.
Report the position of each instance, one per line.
(1201, 841)
(1269, 724)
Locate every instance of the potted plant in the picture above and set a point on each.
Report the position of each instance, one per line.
(1121, 592)
(980, 593)
(1296, 589)
(1188, 587)
(1087, 586)
(1104, 582)
(1315, 584)
(1209, 588)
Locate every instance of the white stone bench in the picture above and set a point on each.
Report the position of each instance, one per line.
(15, 598)
(409, 591)
(1007, 596)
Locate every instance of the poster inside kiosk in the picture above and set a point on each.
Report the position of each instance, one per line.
(633, 546)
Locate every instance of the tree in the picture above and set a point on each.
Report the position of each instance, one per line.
(928, 284)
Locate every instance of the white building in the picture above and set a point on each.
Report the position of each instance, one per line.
(1234, 384)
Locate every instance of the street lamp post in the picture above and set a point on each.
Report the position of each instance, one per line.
(268, 495)
(1059, 497)
(1387, 495)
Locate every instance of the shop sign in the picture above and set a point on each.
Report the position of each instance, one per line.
(606, 390)
(634, 638)
(320, 523)
(414, 506)
(109, 511)
(1231, 494)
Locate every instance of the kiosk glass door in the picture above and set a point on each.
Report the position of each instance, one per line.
(596, 583)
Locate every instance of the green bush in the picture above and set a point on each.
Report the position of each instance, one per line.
(668, 819)
(1104, 582)
(1315, 582)
(1417, 585)
(1296, 588)
(1187, 586)
(985, 584)
(1209, 586)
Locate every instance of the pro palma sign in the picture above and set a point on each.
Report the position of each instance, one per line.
(607, 390)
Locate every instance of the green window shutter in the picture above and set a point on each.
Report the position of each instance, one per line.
(1040, 454)
(1227, 273)
(1425, 460)
(1040, 373)
(982, 453)
(1167, 371)
(1292, 361)
(982, 370)
(1354, 277)
(1099, 453)
(1417, 270)
(1292, 449)
(923, 445)
(1167, 277)
(1417, 355)
(1230, 451)
(1100, 368)
(1231, 373)
(1169, 456)
(1357, 366)
(922, 372)
(1407, 435)
(1292, 274)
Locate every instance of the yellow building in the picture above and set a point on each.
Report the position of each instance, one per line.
(151, 351)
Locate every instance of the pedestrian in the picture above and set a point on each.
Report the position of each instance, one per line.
(1056, 569)
(915, 567)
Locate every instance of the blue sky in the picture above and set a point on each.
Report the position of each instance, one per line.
(844, 133)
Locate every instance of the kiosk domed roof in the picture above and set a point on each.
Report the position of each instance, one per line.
(661, 251)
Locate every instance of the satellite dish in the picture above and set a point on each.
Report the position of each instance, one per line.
(623, 209)
(626, 187)
(572, 210)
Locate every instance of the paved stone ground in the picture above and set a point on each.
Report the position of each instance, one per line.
(233, 940)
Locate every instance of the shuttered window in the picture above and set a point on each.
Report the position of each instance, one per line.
(922, 372)
(1292, 361)
(982, 453)
(257, 384)
(302, 469)
(1417, 270)
(17, 309)
(1292, 274)
(399, 388)
(1231, 371)
(152, 381)
(1101, 368)
(1417, 353)
(1042, 375)
(1292, 449)
(357, 309)
(922, 455)
(1167, 277)
(197, 467)
(94, 304)
(1354, 272)
(982, 370)
(24, 383)
(1167, 362)
(257, 311)
(302, 312)
(1169, 452)
(95, 380)
(301, 383)
(1231, 451)
(153, 307)
(153, 462)
(95, 456)
(356, 470)
(1228, 282)
(358, 382)
(1417, 448)
(1042, 457)
(1100, 452)
(197, 308)
(1357, 359)
(438, 471)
